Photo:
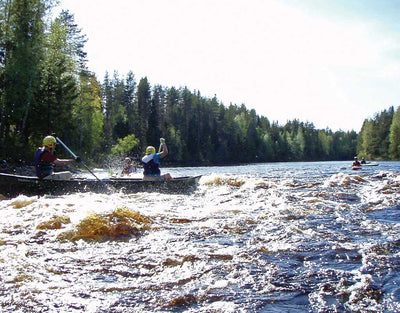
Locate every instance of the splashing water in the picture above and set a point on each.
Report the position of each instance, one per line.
(286, 237)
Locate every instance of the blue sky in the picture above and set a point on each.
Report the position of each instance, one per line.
(329, 62)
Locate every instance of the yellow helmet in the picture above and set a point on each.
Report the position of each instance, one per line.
(150, 150)
(49, 141)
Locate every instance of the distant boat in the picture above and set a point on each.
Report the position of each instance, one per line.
(14, 185)
(370, 164)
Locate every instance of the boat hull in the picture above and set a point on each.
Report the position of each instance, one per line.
(14, 185)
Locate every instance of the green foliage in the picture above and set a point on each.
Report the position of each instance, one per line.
(45, 87)
(143, 103)
(22, 51)
(203, 131)
(125, 146)
(394, 137)
(380, 136)
(88, 117)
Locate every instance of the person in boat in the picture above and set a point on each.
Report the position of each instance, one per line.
(356, 162)
(151, 162)
(363, 161)
(129, 167)
(45, 161)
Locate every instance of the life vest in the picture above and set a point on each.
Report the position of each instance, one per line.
(129, 168)
(42, 168)
(150, 167)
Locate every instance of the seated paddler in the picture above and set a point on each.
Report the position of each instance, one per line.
(151, 162)
(356, 162)
(129, 167)
(45, 161)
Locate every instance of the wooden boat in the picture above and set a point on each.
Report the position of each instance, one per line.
(14, 185)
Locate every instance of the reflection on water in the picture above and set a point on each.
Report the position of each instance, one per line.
(285, 237)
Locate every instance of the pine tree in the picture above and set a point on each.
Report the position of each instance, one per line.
(394, 136)
(64, 62)
(129, 101)
(22, 52)
(154, 129)
(143, 104)
(108, 110)
(89, 117)
(366, 145)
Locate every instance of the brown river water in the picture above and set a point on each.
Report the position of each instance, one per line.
(281, 237)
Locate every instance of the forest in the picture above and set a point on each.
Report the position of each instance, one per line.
(379, 138)
(47, 88)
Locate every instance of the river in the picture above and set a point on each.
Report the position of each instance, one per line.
(273, 237)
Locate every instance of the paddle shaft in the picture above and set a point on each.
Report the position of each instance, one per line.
(74, 156)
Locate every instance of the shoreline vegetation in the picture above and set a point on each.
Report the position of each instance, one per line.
(46, 88)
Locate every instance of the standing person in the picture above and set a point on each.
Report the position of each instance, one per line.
(45, 161)
(129, 167)
(151, 162)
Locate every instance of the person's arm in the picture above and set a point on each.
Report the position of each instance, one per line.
(51, 158)
(163, 147)
(63, 162)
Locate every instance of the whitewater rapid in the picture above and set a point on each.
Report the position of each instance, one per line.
(295, 237)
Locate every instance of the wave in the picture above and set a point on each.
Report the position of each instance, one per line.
(246, 242)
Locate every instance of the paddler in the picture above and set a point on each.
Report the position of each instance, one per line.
(45, 161)
(356, 162)
(129, 167)
(151, 162)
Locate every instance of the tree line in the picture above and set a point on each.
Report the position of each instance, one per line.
(201, 130)
(46, 87)
(379, 138)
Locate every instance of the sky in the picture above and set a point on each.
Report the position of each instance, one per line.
(333, 63)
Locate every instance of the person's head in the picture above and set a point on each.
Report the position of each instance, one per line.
(49, 142)
(150, 150)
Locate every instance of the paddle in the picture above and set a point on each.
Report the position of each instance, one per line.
(76, 158)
